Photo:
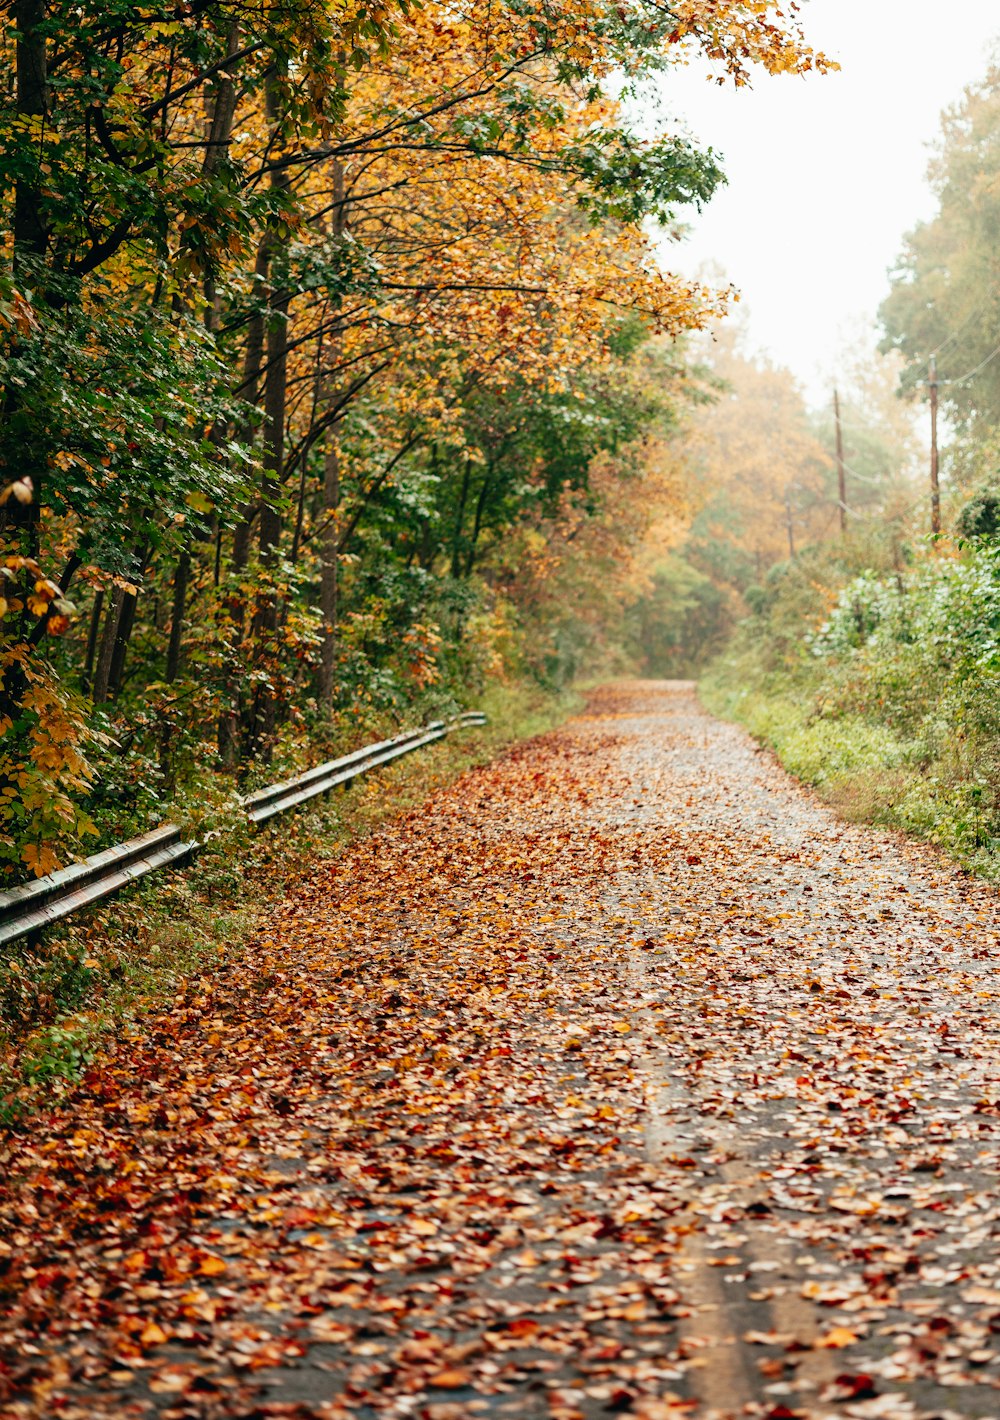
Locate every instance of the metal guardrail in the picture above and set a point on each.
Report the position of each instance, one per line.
(26, 910)
(278, 797)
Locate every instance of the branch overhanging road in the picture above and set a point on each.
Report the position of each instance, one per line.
(622, 1078)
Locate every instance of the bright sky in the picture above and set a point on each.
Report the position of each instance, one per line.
(826, 174)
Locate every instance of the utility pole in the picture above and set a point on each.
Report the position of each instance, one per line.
(841, 474)
(935, 485)
(790, 522)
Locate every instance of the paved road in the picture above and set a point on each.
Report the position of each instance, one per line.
(622, 1079)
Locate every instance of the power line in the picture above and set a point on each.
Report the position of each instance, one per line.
(883, 517)
(959, 330)
(854, 427)
(972, 373)
(864, 478)
(868, 517)
(872, 427)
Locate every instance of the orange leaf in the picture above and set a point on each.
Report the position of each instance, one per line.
(838, 1337)
(152, 1335)
(450, 1380)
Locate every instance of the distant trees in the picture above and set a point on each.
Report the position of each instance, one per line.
(945, 297)
(761, 476)
(760, 491)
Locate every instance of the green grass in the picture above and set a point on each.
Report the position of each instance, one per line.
(66, 999)
(816, 748)
(863, 768)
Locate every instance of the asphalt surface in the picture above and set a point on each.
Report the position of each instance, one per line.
(621, 1079)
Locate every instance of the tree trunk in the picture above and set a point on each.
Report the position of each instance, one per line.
(102, 675)
(477, 525)
(253, 359)
(95, 626)
(123, 634)
(30, 242)
(220, 131)
(181, 577)
(30, 236)
(224, 109)
(456, 539)
(328, 589)
(275, 391)
(330, 545)
(249, 390)
(262, 712)
(275, 381)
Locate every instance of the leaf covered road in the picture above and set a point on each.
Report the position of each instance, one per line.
(622, 1079)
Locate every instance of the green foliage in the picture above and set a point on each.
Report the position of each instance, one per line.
(629, 180)
(945, 298)
(979, 518)
(59, 1053)
(680, 621)
(45, 770)
(890, 702)
(118, 405)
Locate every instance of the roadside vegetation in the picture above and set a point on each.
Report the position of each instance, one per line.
(890, 704)
(66, 997)
(870, 661)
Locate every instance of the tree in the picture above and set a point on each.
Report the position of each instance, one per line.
(764, 475)
(945, 296)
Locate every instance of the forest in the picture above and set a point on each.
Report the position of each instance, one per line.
(333, 341)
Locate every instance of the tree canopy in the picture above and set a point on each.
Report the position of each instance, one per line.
(945, 296)
(307, 310)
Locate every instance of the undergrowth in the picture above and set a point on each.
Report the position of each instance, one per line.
(66, 998)
(880, 687)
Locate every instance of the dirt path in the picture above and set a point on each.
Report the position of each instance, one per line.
(623, 1079)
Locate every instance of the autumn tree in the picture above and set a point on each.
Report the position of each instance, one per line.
(761, 487)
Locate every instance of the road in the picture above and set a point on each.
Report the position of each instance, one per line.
(620, 1079)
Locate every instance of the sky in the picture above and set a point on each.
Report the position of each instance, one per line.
(827, 173)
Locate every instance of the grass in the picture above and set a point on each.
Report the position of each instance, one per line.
(67, 998)
(818, 749)
(864, 769)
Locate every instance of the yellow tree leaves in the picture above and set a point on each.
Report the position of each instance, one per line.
(759, 468)
(740, 33)
(42, 762)
(578, 570)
